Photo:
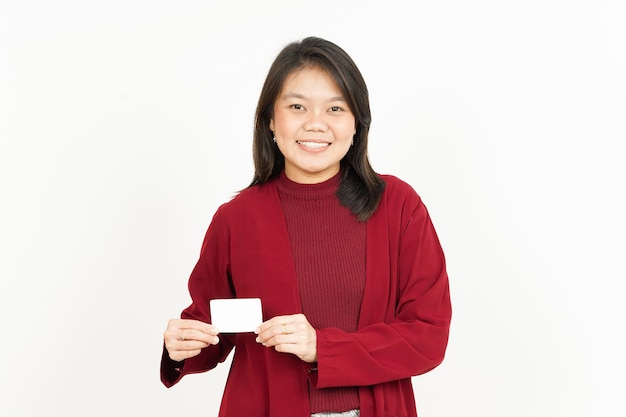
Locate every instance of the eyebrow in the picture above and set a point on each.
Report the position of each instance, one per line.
(300, 96)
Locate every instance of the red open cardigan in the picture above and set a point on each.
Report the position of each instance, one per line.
(403, 324)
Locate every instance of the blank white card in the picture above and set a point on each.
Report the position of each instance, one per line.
(236, 315)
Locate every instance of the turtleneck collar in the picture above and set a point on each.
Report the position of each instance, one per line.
(308, 191)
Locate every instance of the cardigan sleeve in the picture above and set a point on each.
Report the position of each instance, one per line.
(209, 279)
(411, 342)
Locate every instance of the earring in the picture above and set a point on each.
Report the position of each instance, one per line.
(352, 143)
(274, 139)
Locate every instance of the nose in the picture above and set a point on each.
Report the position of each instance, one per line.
(315, 122)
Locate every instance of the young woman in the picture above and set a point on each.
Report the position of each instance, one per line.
(347, 263)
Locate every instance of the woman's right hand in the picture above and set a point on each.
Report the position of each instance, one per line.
(186, 338)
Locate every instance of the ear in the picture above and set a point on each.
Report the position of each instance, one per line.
(272, 124)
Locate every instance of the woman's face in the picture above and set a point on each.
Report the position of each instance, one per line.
(313, 125)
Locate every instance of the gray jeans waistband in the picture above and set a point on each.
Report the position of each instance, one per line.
(350, 413)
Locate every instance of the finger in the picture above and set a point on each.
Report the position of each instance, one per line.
(305, 348)
(195, 331)
(177, 337)
(282, 325)
(189, 345)
(197, 335)
(182, 355)
(197, 325)
(273, 331)
(274, 340)
(278, 325)
(298, 346)
(288, 319)
(295, 333)
(293, 348)
(177, 347)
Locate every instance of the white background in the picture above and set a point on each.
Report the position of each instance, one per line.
(124, 124)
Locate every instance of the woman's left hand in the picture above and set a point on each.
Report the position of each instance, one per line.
(289, 334)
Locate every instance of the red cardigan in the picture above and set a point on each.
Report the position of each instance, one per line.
(403, 323)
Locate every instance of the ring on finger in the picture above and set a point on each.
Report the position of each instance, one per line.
(285, 328)
(182, 336)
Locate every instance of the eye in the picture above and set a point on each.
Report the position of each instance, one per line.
(336, 108)
(297, 106)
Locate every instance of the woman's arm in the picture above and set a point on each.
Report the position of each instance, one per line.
(202, 348)
(415, 341)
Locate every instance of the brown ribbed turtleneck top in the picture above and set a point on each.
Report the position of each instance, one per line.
(328, 246)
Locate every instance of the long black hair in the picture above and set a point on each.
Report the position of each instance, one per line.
(360, 188)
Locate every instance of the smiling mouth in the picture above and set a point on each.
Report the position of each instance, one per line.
(313, 145)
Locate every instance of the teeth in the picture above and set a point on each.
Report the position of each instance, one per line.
(313, 144)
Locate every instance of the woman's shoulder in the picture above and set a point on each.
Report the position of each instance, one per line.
(397, 188)
(395, 181)
(400, 201)
(248, 200)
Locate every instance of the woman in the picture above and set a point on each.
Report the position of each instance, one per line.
(346, 262)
